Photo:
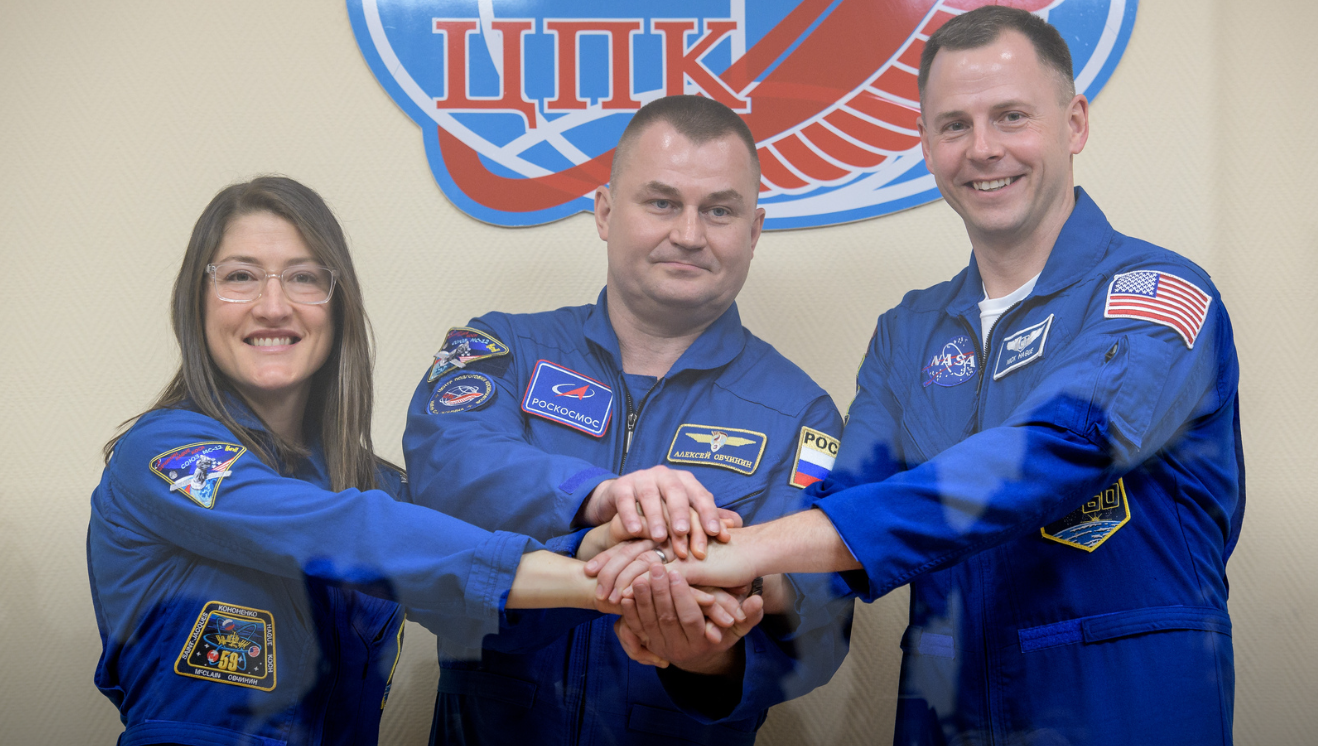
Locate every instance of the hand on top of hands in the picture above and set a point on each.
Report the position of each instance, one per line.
(659, 504)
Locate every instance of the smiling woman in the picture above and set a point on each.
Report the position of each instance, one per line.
(246, 545)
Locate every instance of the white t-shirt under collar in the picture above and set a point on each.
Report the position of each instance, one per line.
(990, 309)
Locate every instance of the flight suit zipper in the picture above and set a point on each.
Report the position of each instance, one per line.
(984, 354)
(633, 418)
(980, 562)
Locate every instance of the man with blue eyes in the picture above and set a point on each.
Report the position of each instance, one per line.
(1046, 447)
(653, 406)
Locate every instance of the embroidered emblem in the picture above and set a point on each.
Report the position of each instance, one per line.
(729, 447)
(231, 644)
(954, 364)
(464, 345)
(1022, 348)
(1091, 524)
(196, 470)
(815, 452)
(568, 398)
(1161, 298)
(461, 393)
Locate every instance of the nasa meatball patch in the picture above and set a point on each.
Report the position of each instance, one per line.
(196, 470)
(462, 393)
(230, 644)
(953, 364)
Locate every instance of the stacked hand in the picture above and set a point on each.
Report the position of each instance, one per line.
(664, 619)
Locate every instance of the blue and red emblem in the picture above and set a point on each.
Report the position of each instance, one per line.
(462, 393)
(955, 363)
(565, 396)
(521, 104)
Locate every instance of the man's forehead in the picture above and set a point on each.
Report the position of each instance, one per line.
(660, 158)
(1005, 70)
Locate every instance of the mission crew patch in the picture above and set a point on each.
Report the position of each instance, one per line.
(462, 393)
(568, 398)
(1022, 348)
(728, 447)
(464, 345)
(815, 453)
(230, 644)
(196, 470)
(1093, 523)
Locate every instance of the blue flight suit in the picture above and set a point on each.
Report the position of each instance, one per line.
(501, 466)
(1062, 500)
(240, 606)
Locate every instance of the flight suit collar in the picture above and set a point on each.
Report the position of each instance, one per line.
(1080, 247)
(720, 343)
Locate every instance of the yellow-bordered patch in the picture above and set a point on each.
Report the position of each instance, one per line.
(197, 469)
(1093, 523)
(815, 452)
(462, 346)
(230, 644)
(710, 445)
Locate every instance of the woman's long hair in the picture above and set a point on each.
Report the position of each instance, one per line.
(339, 408)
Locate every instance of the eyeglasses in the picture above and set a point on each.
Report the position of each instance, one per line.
(237, 282)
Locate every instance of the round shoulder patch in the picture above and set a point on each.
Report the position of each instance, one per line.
(955, 363)
(463, 392)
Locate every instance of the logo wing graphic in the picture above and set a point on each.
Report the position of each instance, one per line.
(828, 90)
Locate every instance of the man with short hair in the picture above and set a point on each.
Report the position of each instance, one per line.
(1046, 447)
(656, 397)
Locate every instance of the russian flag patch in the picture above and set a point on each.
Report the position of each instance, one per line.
(815, 452)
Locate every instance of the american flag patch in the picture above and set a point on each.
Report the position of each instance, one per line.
(1161, 298)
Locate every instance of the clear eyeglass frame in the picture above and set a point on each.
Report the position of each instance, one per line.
(261, 278)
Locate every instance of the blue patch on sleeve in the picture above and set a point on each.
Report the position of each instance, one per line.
(568, 398)
(462, 393)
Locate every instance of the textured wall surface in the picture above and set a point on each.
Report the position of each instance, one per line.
(120, 120)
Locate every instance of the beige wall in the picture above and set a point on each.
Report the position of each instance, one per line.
(118, 121)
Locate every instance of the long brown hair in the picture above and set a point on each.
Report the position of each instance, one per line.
(341, 391)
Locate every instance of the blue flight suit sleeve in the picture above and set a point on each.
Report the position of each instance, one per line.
(1122, 389)
(437, 565)
(486, 452)
(786, 656)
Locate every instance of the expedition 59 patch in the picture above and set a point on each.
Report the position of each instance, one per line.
(196, 470)
(461, 393)
(729, 447)
(231, 644)
(1093, 523)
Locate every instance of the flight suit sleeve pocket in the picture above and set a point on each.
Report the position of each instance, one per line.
(1131, 383)
(506, 689)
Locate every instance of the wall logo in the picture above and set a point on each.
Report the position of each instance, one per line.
(521, 103)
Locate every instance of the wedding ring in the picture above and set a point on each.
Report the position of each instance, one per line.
(663, 558)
